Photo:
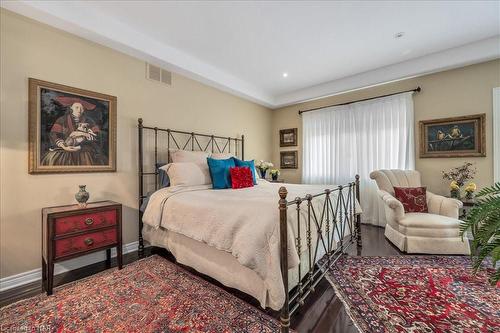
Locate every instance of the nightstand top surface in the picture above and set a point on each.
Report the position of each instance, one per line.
(75, 207)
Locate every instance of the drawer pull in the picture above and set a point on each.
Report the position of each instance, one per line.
(89, 221)
(89, 241)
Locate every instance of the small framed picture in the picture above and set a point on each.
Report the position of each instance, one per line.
(288, 159)
(288, 137)
(453, 137)
(70, 129)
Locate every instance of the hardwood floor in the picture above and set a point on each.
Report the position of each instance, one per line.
(323, 312)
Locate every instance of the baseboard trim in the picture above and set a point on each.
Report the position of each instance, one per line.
(34, 275)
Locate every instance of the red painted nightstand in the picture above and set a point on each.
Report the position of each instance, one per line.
(70, 231)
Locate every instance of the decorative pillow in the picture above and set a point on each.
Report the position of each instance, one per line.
(187, 174)
(219, 172)
(241, 177)
(162, 174)
(249, 164)
(221, 156)
(414, 199)
(182, 156)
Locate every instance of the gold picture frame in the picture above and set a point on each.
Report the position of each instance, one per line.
(463, 136)
(70, 129)
(288, 137)
(289, 159)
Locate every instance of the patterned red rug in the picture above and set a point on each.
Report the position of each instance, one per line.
(416, 294)
(150, 295)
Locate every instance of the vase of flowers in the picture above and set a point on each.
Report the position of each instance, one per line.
(454, 190)
(263, 166)
(274, 174)
(469, 191)
(459, 176)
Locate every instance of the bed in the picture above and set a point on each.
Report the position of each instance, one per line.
(252, 239)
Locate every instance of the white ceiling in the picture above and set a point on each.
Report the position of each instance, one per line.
(325, 47)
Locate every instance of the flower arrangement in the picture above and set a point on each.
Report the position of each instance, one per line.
(274, 173)
(454, 186)
(263, 166)
(459, 176)
(454, 190)
(469, 190)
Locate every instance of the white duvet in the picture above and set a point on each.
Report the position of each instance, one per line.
(243, 222)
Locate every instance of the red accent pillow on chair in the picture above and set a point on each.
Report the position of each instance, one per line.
(241, 177)
(414, 199)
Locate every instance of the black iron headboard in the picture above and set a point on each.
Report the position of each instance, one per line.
(176, 140)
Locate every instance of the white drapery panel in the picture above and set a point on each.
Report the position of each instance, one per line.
(342, 141)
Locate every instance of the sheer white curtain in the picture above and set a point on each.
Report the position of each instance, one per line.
(342, 141)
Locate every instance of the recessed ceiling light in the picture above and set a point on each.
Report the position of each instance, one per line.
(285, 74)
(399, 34)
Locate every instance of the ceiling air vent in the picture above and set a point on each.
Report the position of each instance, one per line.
(158, 74)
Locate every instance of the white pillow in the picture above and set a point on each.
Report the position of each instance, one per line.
(221, 156)
(187, 173)
(182, 156)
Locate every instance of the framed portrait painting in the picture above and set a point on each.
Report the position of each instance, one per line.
(70, 129)
(288, 159)
(288, 137)
(453, 137)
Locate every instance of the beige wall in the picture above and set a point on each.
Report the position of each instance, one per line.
(457, 92)
(29, 49)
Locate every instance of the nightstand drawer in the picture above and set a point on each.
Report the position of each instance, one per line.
(69, 224)
(71, 245)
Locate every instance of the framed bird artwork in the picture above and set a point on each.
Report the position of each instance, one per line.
(453, 137)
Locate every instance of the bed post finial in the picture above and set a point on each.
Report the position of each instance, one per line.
(285, 310)
(139, 121)
(283, 192)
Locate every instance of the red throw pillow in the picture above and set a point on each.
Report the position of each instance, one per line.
(241, 177)
(414, 199)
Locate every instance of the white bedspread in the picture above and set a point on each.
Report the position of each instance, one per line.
(243, 222)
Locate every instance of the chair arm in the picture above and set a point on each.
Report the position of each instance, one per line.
(437, 204)
(394, 208)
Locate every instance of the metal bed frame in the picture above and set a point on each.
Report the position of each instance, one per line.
(335, 217)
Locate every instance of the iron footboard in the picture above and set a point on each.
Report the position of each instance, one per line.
(334, 218)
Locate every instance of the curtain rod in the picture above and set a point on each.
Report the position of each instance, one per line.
(417, 89)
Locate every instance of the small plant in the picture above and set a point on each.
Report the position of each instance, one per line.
(454, 190)
(274, 172)
(469, 190)
(484, 222)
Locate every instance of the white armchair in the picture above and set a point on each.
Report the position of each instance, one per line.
(435, 232)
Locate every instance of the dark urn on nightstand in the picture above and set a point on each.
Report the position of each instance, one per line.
(82, 196)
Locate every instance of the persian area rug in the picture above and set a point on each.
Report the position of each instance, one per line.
(416, 294)
(150, 295)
